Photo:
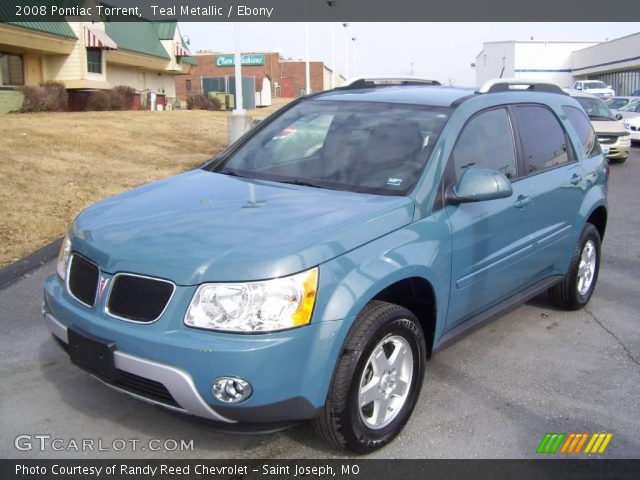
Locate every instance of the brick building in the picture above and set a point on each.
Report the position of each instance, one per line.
(287, 76)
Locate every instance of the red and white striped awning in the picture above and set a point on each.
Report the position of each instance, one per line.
(181, 51)
(95, 38)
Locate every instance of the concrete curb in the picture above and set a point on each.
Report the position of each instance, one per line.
(14, 272)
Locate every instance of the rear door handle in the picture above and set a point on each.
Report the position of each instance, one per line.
(576, 179)
(522, 201)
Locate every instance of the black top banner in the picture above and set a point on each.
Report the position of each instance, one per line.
(318, 10)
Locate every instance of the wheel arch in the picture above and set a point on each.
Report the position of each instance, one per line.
(598, 218)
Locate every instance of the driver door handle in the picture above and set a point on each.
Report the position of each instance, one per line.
(522, 201)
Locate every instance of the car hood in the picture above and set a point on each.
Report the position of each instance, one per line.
(608, 127)
(628, 115)
(599, 91)
(201, 226)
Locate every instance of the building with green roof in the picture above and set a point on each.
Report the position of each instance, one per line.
(86, 56)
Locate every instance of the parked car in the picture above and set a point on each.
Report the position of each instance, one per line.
(615, 103)
(595, 87)
(633, 127)
(259, 290)
(636, 93)
(612, 135)
(630, 110)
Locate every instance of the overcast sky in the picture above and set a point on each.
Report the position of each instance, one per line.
(443, 51)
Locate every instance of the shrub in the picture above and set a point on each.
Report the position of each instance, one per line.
(122, 97)
(200, 102)
(99, 101)
(48, 97)
(56, 98)
(118, 98)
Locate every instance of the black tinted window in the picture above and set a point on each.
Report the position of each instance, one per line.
(544, 144)
(486, 142)
(583, 128)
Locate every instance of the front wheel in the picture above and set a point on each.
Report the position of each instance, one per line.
(578, 284)
(377, 380)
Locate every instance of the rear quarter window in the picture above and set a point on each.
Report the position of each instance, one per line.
(584, 129)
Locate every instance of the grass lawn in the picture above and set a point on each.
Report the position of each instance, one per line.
(52, 165)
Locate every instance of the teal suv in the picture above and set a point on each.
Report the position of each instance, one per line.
(310, 270)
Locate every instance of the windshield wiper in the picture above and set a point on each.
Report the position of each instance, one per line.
(304, 183)
(232, 173)
(600, 117)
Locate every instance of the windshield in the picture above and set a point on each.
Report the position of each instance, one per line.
(344, 145)
(616, 103)
(594, 85)
(632, 107)
(595, 108)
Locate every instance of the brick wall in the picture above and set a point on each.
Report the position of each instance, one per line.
(273, 67)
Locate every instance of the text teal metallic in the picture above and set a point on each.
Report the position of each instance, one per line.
(202, 226)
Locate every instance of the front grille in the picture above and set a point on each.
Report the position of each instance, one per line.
(144, 387)
(635, 129)
(137, 298)
(83, 280)
(607, 139)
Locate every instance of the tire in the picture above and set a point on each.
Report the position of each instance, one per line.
(575, 290)
(383, 328)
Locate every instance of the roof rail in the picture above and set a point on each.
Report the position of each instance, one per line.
(387, 80)
(519, 84)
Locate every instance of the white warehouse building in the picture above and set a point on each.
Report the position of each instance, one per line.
(615, 62)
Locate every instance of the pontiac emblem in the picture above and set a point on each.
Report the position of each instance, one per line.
(102, 285)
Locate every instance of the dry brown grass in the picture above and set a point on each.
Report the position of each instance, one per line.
(52, 165)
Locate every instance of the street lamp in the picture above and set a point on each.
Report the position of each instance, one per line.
(346, 51)
(331, 4)
(306, 66)
(353, 39)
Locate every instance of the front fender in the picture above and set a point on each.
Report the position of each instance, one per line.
(421, 249)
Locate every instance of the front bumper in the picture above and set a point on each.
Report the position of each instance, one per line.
(289, 371)
(619, 150)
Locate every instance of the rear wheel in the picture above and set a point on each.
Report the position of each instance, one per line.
(578, 284)
(377, 380)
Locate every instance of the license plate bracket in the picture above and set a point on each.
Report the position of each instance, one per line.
(92, 353)
(605, 149)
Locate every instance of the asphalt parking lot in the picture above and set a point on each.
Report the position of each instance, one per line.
(494, 394)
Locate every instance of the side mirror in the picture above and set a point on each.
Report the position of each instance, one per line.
(618, 116)
(479, 184)
(609, 87)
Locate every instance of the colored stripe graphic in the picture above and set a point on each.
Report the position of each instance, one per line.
(598, 443)
(550, 442)
(573, 443)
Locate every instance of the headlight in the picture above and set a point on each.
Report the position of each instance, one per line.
(63, 257)
(627, 126)
(265, 306)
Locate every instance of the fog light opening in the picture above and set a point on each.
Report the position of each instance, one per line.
(231, 389)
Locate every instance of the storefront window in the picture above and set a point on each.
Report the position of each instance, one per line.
(11, 69)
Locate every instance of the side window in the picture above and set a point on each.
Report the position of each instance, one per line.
(486, 142)
(584, 129)
(544, 144)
